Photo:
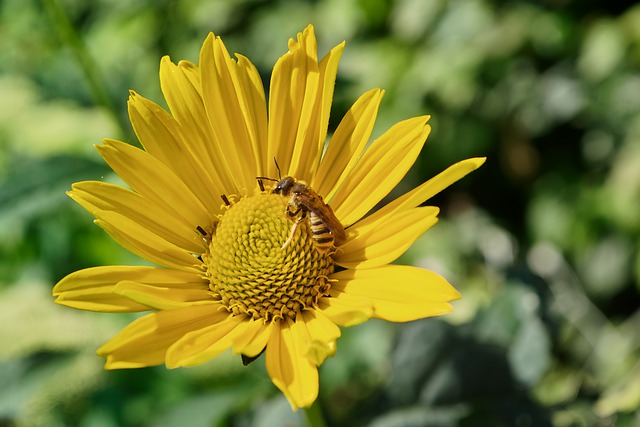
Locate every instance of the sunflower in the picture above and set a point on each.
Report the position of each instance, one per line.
(238, 267)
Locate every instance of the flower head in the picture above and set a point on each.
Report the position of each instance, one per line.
(245, 264)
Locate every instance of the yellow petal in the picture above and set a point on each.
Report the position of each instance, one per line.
(292, 373)
(99, 299)
(254, 108)
(292, 103)
(163, 138)
(399, 293)
(381, 167)
(320, 333)
(253, 339)
(383, 241)
(346, 310)
(347, 143)
(154, 181)
(162, 298)
(146, 340)
(201, 345)
(425, 191)
(328, 73)
(92, 288)
(226, 103)
(308, 151)
(144, 243)
(97, 197)
(182, 89)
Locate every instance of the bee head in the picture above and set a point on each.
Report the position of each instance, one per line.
(284, 185)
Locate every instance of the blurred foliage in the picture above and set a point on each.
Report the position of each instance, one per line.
(542, 241)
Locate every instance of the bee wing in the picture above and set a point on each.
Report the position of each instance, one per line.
(314, 203)
(333, 224)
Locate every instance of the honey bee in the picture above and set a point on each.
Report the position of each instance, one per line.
(326, 229)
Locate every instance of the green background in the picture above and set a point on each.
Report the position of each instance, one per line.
(542, 241)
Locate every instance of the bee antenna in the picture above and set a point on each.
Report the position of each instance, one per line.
(278, 168)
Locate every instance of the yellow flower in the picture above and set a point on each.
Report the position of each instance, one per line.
(230, 276)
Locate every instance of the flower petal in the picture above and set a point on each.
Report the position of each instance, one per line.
(424, 191)
(146, 340)
(293, 94)
(398, 293)
(162, 298)
(252, 341)
(201, 345)
(163, 138)
(307, 152)
(182, 89)
(98, 197)
(346, 310)
(92, 288)
(154, 181)
(142, 242)
(227, 102)
(383, 241)
(347, 143)
(320, 333)
(290, 371)
(381, 167)
(254, 109)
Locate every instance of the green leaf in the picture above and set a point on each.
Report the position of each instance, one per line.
(33, 186)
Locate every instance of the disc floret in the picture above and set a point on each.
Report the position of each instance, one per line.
(250, 272)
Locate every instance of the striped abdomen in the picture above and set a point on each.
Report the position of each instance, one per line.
(320, 233)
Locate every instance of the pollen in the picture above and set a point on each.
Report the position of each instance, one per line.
(250, 272)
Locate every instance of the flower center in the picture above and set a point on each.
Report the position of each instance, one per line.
(251, 272)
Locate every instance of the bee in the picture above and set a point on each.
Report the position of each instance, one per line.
(326, 229)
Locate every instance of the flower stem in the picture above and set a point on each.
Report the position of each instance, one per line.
(314, 417)
(71, 38)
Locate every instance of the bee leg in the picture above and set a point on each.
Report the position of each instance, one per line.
(225, 199)
(291, 214)
(261, 185)
(293, 228)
